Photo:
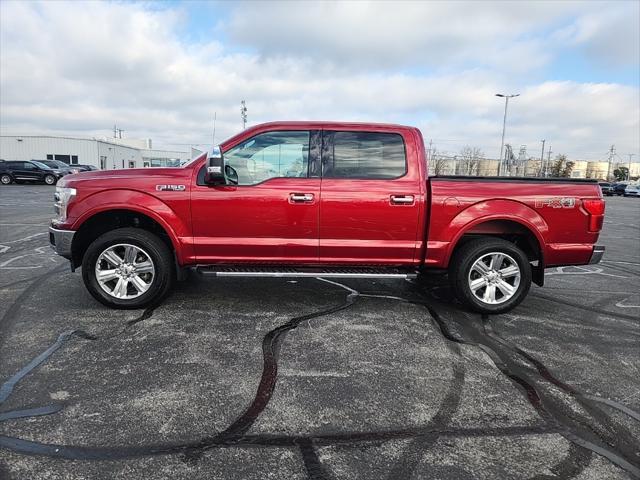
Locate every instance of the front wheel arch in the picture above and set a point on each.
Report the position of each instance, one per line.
(108, 220)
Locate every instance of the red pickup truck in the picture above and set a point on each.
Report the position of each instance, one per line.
(321, 199)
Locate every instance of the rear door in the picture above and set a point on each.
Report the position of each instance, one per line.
(371, 198)
(272, 214)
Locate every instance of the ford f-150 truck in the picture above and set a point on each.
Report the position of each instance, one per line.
(321, 199)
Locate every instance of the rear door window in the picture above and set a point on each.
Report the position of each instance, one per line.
(365, 155)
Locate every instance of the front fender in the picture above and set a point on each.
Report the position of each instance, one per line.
(489, 210)
(177, 228)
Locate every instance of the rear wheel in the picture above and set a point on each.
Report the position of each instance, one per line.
(490, 275)
(128, 268)
(5, 179)
(49, 179)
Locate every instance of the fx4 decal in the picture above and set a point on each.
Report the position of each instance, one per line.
(556, 202)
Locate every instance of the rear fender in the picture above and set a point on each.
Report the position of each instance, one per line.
(489, 210)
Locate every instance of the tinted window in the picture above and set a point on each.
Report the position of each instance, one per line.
(366, 155)
(270, 155)
(28, 166)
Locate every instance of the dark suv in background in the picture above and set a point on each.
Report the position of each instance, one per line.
(58, 165)
(607, 188)
(29, 171)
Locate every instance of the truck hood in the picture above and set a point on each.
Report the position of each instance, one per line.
(123, 175)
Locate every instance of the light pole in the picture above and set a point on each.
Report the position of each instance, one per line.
(504, 125)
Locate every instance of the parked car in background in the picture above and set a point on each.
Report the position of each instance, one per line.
(86, 168)
(632, 190)
(607, 188)
(30, 171)
(618, 188)
(58, 165)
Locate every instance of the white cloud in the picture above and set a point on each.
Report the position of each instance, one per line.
(77, 68)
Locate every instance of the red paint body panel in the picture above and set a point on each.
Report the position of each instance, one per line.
(349, 221)
(256, 223)
(562, 233)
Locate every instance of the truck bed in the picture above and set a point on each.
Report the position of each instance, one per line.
(549, 210)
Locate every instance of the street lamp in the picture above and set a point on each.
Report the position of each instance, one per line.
(504, 125)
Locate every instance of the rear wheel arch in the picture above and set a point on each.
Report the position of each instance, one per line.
(523, 236)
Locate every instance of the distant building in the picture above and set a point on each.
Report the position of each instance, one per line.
(104, 153)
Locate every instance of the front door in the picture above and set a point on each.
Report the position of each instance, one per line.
(371, 199)
(271, 215)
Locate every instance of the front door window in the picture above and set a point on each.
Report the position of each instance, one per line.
(270, 155)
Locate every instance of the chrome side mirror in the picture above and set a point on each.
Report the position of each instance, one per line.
(215, 173)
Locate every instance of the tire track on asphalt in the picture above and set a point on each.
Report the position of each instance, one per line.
(583, 307)
(235, 434)
(10, 314)
(546, 406)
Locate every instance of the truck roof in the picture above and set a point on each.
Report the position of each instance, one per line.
(331, 124)
(317, 125)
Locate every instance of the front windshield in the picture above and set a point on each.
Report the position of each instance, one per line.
(190, 161)
(42, 165)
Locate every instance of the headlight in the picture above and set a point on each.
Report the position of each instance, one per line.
(62, 198)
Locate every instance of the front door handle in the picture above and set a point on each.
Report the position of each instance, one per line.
(402, 199)
(301, 197)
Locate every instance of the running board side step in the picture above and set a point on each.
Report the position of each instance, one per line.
(325, 272)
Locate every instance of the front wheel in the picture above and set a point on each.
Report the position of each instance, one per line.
(49, 179)
(128, 268)
(490, 275)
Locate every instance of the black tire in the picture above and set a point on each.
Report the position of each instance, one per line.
(6, 179)
(157, 250)
(49, 179)
(462, 262)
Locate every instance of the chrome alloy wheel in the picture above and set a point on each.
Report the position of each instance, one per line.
(494, 278)
(125, 271)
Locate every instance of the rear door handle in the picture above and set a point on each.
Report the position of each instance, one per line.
(402, 199)
(301, 197)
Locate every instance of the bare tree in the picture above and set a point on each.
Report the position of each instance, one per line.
(437, 163)
(469, 160)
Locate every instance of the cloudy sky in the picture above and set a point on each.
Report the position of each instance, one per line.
(161, 70)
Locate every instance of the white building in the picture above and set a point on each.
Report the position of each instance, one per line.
(104, 153)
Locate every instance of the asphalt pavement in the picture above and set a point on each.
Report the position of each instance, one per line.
(310, 378)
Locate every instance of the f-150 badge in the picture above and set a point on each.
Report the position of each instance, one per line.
(170, 188)
(556, 202)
